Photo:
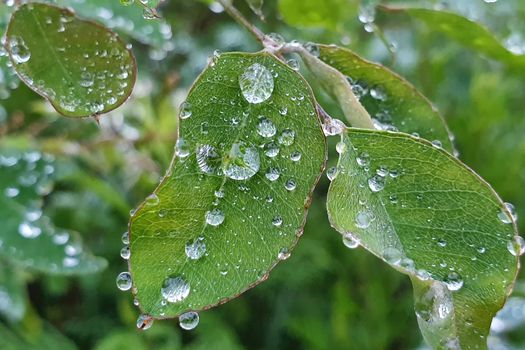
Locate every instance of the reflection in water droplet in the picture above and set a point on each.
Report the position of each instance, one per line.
(208, 159)
(331, 173)
(189, 320)
(256, 83)
(124, 281)
(125, 253)
(290, 185)
(214, 217)
(266, 128)
(144, 322)
(287, 137)
(195, 249)
(350, 241)
(453, 281)
(516, 246)
(272, 174)
(175, 289)
(244, 162)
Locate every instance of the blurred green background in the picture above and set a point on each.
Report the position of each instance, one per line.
(325, 296)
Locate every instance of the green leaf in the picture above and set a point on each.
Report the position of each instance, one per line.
(240, 185)
(44, 337)
(256, 6)
(391, 100)
(12, 293)
(81, 67)
(465, 31)
(429, 216)
(329, 14)
(28, 236)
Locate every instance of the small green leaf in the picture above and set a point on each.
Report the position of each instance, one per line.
(329, 14)
(429, 216)
(233, 203)
(12, 293)
(391, 100)
(27, 237)
(256, 6)
(465, 31)
(81, 67)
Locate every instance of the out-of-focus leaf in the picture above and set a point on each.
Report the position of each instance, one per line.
(233, 203)
(465, 31)
(12, 293)
(121, 340)
(429, 216)
(27, 236)
(45, 338)
(391, 100)
(329, 14)
(81, 67)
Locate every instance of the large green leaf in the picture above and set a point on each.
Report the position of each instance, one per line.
(27, 236)
(329, 14)
(466, 31)
(391, 100)
(237, 192)
(429, 216)
(81, 67)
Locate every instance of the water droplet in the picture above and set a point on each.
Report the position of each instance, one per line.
(272, 174)
(350, 241)
(504, 216)
(185, 110)
(244, 162)
(453, 281)
(189, 320)
(376, 183)
(28, 230)
(340, 147)
(219, 193)
(272, 150)
(333, 127)
(392, 255)
(290, 185)
(127, 2)
(175, 289)
(214, 217)
(208, 159)
(195, 249)
(125, 253)
(295, 156)
(363, 219)
(266, 128)
(152, 200)
(287, 137)
(331, 173)
(363, 159)
(256, 83)
(367, 13)
(437, 144)
(277, 221)
(124, 281)
(294, 64)
(11, 192)
(283, 111)
(144, 322)
(125, 238)
(516, 246)
(274, 41)
(19, 51)
(313, 49)
(378, 93)
(442, 243)
(284, 254)
(181, 148)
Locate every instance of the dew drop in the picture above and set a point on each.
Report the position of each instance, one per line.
(295, 156)
(189, 320)
(277, 221)
(516, 246)
(333, 127)
(331, 173)
(125, 253)
(195, 249)
(185, 110)
(124, 281)
(294, 64)
(272, 174)
(125, 238)
(181, 148)
(244, 162)
(378, 93)
(363, 219)
(504, 216)
(340, 147)
(350, 241)
(271, 150)
(363, 159)
(376, 183)
(283, 111)
(453, 281)
(392, 255)
(313, 49)
(28, 230)
(290, 185)
(208, 159)
(214, 217)
(19, 51)
(287, 137)
(175, 289)
(284, 254)
(266, 128)
(256, 83)
(144, 322)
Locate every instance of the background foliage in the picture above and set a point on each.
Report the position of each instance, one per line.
(325, 295)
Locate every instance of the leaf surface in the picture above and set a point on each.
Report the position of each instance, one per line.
(329, 14)
(81, 67)
(234, 200)
(391, 101)
(28, 237)
(429, 216)
(465, 31)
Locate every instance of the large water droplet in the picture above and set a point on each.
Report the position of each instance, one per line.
(266, 128)
(189, 320)
(124, 281)
(256, 83)
(19, 51)
(376, 183)
(208, 159)
(214, 217)
(175, 289)
(244, 162)
(195, 249)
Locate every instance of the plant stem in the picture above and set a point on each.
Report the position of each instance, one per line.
(239, 18)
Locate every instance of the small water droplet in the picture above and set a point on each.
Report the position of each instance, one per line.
(392, 255)
(363, 159)
(378, 93)
(144, 322)
(277, 221)
(208, 159)
(516, 246)
(175, 289)
(124, 281)
(313, 49)
(214, 217)
(181, 148)
(287, 137)
(152, 200)
(340, 147)
(350, 241)
(256, 83)
(290, 185)
(195, 249)
(28, 230)
(453, 281)
(331, 173)
(272, 174)
(294, 64)
(295, 156)
(266, 128)
(284, 254)
(376, 183)
(125, 253)
(19, 51)
(363, 219)
(332, 127)
(189, 320)
(125, 238)
(271, 150)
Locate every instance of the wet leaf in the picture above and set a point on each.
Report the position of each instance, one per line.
(393, 102)
(465, 31)
(12, 293)
(81, 67)
(329, 14)
(429, 216)
(28, 237)
(233, 203)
